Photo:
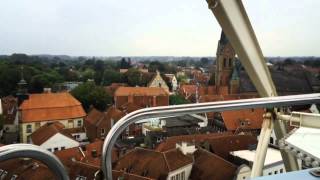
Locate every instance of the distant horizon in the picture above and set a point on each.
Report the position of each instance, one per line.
(146, 56)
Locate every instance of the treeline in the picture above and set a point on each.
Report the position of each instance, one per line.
(41, 71)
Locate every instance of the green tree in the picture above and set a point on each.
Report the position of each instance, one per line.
(99, 98)
(9, 77)
(134, 77)
(111, 76)
(38, 82)
(125, 64)
(204, 61)
(177, 99)
(90, 94)
(156, 65)
(182, 79)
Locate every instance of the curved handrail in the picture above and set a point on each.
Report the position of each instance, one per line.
(32, 151)
(177, 110)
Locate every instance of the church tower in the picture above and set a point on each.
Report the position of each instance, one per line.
(22, 92)
(224, 62)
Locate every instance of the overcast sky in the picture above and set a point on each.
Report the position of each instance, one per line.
(150, 27)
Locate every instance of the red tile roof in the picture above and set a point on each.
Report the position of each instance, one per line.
(50, 106)
(128, 176)
(243, 119)
(210, 166)
(188, 88)
(152, 164)
(171, 142)
(45, 132)
(141, 91)
(74, 154)
(223, 145)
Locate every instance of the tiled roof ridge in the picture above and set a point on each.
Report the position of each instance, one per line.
(134, 175)
(87, 164)
(166, 161)
(51, 107)
(214, 155)
(154, 76)
(72, 100)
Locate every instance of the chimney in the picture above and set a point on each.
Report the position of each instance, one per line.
(130, 99)
(94, 153)
(46, 90)
(154, 101)
(83, 148)
(186, 148)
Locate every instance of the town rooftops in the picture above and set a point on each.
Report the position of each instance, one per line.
(272, 156)
(152, 164)
(45, 132)
(210, 166)
(140, 91)
(8, 108)
(89, 154)
(127, 176)
(243, 119)
(171, 142)
(50, 106)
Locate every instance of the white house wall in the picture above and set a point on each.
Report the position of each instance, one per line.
(58, 141)
(187, 170)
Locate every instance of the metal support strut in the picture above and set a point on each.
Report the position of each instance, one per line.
(235, 23)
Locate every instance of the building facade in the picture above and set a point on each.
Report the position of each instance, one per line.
(41, 109)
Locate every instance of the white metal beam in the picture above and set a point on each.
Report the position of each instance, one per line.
(235, 23)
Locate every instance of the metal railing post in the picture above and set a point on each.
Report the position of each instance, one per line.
(35, 152)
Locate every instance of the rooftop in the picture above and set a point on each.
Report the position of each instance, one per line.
(50, 106)
(140, 91)
(273, 155)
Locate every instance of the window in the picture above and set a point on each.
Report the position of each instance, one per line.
(63, 148)
(183, 176)
(230, 62)
(49, 149)
(56, 149)
(70, 123)
(224, 62)
(29, 128)
(270, 173)
(77, 136)
(271, 140)
(281, 170)
(79, 123)
(102, 131)
(173, 178)
(243, 177)
(275, 172)
(80, 177)
(37, 125)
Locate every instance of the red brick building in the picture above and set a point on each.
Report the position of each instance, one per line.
(141, 96)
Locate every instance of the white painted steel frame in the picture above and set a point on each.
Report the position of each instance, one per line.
(36, 152)
(235, 23)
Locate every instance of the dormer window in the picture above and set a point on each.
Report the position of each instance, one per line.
(102, 131)
(81, 177)
(29, 128)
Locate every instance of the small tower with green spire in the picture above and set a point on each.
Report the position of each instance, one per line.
(235, 81)
(22, 93)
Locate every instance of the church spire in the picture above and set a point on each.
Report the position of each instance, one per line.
(22, 92)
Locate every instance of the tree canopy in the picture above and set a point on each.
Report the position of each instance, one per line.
(177, 99)
(91, 95)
